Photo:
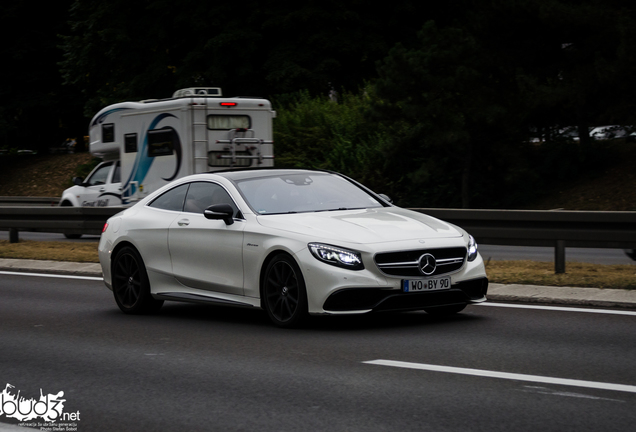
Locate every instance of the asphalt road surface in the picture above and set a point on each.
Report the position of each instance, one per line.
(202, 368)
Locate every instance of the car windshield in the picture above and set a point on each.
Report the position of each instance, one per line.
(296, 193)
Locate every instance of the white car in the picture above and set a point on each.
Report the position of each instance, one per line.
(606, 133)
(292, 242)
(101, 188)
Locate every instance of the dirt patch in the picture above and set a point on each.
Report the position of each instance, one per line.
(612, 189)
(45, 176)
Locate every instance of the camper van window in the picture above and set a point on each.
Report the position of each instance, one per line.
(226, 122)
(160, 142)
(108, 132)
(130, 143)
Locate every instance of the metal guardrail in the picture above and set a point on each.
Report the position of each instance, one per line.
(67, 220)
(558, 229)
(30, 201)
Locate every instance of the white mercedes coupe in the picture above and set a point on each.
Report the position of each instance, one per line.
(292, 242)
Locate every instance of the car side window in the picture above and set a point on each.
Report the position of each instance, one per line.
(172, 199)
(116, 174)
(202, 195)
(100, 175)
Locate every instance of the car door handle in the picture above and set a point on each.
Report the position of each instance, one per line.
(102, 189)
(183, 222)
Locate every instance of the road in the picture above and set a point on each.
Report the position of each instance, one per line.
(196, 368)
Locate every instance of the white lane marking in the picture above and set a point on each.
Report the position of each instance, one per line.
(558, 308)
(52, 275)
(550, 392)
(505, 375)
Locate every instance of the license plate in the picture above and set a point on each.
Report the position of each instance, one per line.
(416, 285)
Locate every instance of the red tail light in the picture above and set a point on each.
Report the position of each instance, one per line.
(105, 226)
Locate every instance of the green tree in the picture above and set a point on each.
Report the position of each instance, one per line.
(36, 111)
(146, 49)
(329, 133)
(578, 64)
(467, 95)
(455, 106)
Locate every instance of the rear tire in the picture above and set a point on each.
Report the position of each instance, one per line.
(445, 310)
(131, 287)
(284, 292)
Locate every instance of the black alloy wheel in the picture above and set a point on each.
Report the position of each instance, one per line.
(130, 283)
(285, 296)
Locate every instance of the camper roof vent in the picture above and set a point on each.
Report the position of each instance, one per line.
(198, 91)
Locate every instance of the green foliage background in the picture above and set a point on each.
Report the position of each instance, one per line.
(328, 133)
(450, 104)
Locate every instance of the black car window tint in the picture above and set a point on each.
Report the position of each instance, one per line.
(172, 199)
(116, 174)
(202, 195)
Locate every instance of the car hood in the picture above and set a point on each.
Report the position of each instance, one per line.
(363, 226)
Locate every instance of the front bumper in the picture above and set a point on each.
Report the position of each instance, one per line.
(378, 299)
(333, 291)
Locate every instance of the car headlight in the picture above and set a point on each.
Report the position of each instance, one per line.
(336, 256)
(472, 248)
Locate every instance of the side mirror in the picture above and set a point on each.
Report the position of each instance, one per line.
(223, 212)
(78, 181)
(386, 198)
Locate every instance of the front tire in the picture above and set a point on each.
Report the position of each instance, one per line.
(130, 283)
(284, 292)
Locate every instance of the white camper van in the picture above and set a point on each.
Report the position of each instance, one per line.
(149, 143)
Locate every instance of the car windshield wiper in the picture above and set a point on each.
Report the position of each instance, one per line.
(277, 213)
(314, 211)
(340, 208)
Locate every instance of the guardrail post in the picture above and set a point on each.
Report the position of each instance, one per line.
(559, 257)
(13, 235)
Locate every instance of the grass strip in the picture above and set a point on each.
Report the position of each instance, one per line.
(576, 275)
(50, 250)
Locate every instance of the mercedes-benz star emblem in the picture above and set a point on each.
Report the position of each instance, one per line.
(427, 264)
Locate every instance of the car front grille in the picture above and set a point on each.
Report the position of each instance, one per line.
(407, 263)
